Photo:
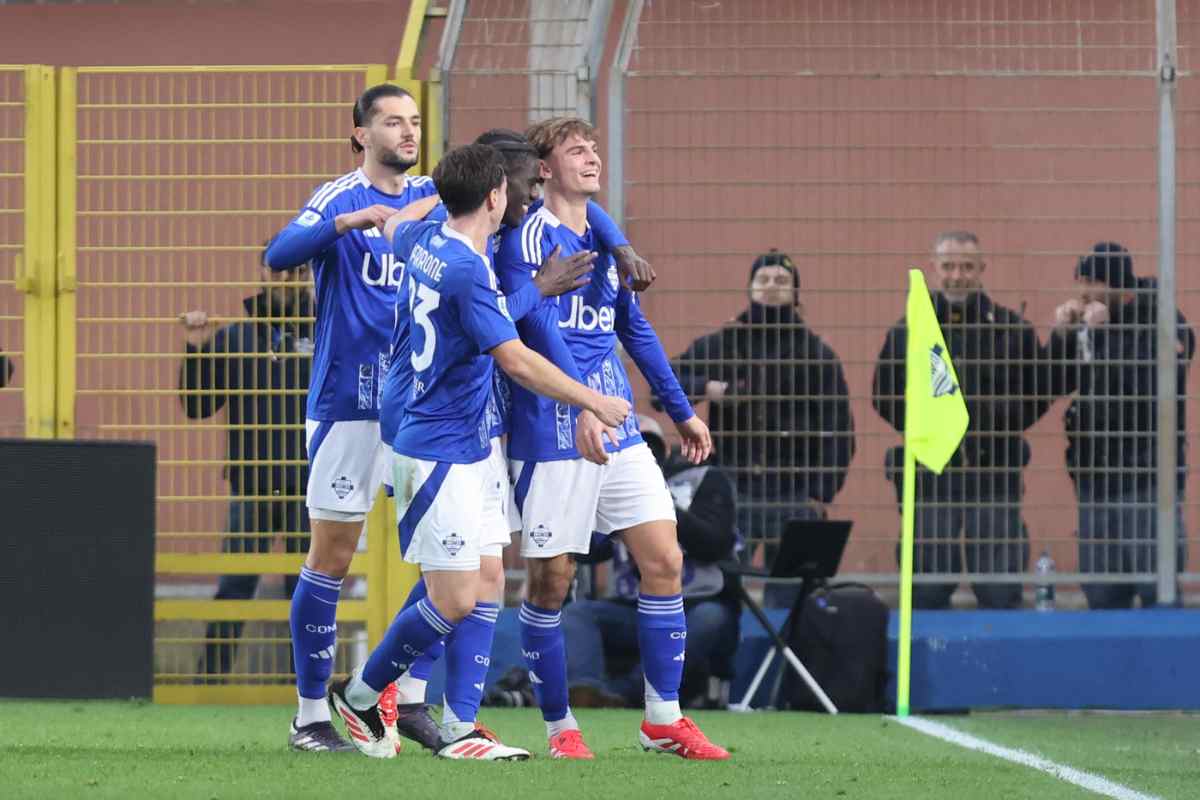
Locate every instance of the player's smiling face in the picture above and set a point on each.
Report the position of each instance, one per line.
(574, 165)
(393, 135)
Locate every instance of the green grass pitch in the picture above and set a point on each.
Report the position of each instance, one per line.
(68, 749)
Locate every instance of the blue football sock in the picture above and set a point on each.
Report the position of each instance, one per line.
(545, 652)
(411, 633)
(468, 655)
(422, 667)
(662, 638)
(314, 631)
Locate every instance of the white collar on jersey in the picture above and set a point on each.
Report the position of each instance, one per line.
(450, 233)
(548, 215)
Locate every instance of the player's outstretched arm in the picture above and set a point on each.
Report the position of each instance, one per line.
(538, 375)
(636, 272)
(412, 212)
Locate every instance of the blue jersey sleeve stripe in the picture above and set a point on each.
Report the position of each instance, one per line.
(338, 187)
(322, 191)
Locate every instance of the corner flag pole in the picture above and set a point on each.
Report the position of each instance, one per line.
(907, 513)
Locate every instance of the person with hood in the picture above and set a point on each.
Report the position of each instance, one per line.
(257, 369)
(1000, 365)
(779, 407)
(1104, 349)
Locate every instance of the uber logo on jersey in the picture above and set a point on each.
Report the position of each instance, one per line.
(388, 271)
(587, 318)
(308, 219)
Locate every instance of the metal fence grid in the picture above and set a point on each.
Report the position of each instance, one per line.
(514, 62)
(12, 222)
(183, 174)
(848, 136)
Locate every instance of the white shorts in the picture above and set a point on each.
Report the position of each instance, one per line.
(348, 463)
(450, 514)
(500, 464)
(562, 502)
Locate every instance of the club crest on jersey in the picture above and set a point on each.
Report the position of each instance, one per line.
(939, 373)
(387, 271)
(540, 535)
(342, 487)
(453, 543)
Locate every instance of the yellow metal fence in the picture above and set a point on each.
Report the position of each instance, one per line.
(129, 196)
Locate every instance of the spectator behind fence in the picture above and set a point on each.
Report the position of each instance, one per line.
(6, 370)
(600, 632)
(779, 409)
(259, 370)
(1104, 348)
(1000, 364)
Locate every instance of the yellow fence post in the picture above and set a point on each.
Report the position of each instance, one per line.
(35, 274)
(65, 255)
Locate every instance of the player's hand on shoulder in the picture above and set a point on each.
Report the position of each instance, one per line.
(196, 326)
(375, 216)
(697, 441)
(561, 275)
(589, 437)
(636, 272)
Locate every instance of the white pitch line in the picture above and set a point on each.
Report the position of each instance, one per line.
(1085, 780)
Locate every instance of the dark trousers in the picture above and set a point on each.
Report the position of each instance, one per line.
(976, 517)
(1118, 533)
(263, 521)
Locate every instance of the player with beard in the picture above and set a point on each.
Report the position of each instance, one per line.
(355, 275)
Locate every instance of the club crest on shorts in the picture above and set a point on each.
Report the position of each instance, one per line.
(453, 543)
(939, 373)
(342, 487)
(540, 535)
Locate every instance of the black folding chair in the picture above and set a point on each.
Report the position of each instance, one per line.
(810, 551)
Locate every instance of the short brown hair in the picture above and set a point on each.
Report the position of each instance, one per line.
(549, 134)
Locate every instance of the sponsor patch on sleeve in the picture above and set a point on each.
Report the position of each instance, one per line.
(308, 219)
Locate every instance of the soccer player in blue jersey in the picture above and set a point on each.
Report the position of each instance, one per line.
(458, 325)
(403, 702)
(355, 275)
(563, 497)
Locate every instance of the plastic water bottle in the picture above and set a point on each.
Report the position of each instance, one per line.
(1043, 581)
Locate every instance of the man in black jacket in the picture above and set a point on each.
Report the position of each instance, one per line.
(258, 369)
(779, 408)
(1104, 347)
(600, 631)
(1000, 365)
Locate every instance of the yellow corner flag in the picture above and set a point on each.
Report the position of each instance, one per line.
(935, 419)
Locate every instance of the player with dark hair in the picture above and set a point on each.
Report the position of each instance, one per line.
(355, 275)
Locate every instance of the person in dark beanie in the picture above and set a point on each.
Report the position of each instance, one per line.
(1104, 349)
(1000, 364)
(603, 668)
(257, 369)
(779, 407)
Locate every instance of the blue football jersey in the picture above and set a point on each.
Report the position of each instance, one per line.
(397, 384)
(588, 322)
(355, 277)
(455, 315)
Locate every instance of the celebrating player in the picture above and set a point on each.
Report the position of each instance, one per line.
(403, 702)
(355, 275)
(457, 326)
(562, 495)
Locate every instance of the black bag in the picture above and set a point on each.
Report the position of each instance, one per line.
(841, 637)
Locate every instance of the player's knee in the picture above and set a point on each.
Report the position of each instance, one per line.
(662, 568)
(491, 580)
(332, 548)
(550, 580)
